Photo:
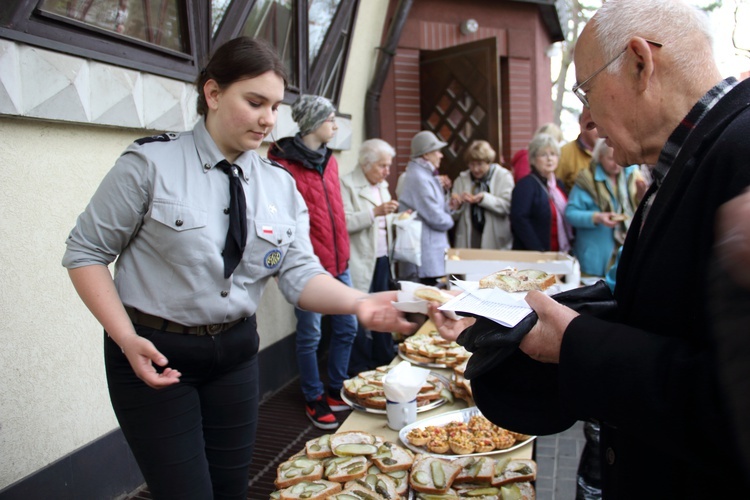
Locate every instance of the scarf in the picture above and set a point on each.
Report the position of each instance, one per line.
(564, 231)
(315, 158)
(623, 203)
(480, 186)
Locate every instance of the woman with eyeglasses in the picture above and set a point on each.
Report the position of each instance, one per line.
(538, 202)
(311, 162)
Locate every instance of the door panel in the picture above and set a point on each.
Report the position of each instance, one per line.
(459, 100)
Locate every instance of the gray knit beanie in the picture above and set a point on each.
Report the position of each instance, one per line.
(310, 111)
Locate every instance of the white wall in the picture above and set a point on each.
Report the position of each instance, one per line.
(53, 398)
(359, 74)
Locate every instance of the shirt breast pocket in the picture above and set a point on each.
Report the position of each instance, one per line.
(180, 235)
(270, 242)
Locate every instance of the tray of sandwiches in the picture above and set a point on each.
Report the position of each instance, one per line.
(460, 385)
(460, 433)
(432, 351)
(356, 465)
(365, 391)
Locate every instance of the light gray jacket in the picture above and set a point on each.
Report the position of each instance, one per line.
(496, 204)
(362, 227)
(422, 192)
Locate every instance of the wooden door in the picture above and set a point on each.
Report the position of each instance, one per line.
(459, 98)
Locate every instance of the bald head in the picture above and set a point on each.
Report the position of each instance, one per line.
(657, 63)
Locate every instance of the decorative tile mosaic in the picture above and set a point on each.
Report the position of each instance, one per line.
(50, 85)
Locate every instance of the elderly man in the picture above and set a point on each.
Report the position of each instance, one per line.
(646, 71)
(576, 155)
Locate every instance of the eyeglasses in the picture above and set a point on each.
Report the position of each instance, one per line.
(546, 154)
(581, 94)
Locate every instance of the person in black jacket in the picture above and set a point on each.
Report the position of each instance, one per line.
(730, 294)
(649, 376)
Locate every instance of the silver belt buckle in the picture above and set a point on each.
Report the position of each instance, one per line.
(214, 329)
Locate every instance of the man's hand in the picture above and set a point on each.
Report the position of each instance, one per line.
(142, 355)
(376, 312)
(543, 342)
(448, 328)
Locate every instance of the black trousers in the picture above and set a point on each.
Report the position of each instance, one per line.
(373, 349)
(194, 439)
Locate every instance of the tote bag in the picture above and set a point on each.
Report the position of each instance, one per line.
(408, 245)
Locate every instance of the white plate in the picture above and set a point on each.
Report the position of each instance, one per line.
(405, 356)
(429, 406)
(444, 419)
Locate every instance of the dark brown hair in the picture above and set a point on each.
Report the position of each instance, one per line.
(238, 59)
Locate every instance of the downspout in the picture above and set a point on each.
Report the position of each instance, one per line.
(372, 98)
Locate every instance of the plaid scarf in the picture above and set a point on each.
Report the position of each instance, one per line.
(480, 186)
(679, 136)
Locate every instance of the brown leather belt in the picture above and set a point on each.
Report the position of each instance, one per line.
(157, 323)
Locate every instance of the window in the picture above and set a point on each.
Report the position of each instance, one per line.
(275, 21)
(320, 68)
(174, 37)
(157, 22)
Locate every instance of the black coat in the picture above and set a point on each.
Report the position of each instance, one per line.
(530, 214)
(651, 377)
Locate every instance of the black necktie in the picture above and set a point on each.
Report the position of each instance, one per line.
(237, 233)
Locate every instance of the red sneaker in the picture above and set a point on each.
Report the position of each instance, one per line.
(320, 414)
(335, 403)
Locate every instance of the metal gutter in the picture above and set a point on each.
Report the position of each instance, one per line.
(372, 98)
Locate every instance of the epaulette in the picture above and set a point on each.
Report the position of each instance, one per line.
(166, 137)
(276, 164)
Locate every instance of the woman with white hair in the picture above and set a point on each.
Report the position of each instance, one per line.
(600, 207)
(538, 202)
(368, 208)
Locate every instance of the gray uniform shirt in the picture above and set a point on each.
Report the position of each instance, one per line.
(162, 210)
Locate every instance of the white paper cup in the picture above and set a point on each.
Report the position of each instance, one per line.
(401, 414)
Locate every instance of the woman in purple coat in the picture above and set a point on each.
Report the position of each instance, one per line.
(423, 193)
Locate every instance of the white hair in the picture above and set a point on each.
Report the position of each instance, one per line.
(540, 142)
(371, 150)
(683, 29)
(599, 150)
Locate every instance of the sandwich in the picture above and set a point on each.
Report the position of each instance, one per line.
(432, 295)
(433, 475)
(512, 280)
(310, 490)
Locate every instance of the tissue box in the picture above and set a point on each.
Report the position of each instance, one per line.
(474, 263)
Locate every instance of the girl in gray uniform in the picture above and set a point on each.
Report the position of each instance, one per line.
(198, 223)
